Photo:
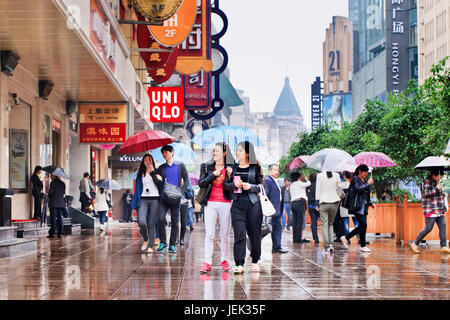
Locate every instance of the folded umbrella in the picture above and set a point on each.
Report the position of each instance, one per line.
(327, 159)
(374, 160)
(432, 163)
(56, 171)
(145, 141)
(108, 184)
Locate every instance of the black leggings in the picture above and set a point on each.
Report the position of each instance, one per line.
(37, 207)
(246, 218)
(361, 229)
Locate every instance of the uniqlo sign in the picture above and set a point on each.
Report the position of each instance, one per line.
(166, 104)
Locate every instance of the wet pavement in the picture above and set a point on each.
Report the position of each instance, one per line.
(111, 266)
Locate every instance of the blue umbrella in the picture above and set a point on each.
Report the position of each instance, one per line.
(231, 135)
(182, 152)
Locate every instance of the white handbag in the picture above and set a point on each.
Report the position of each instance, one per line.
(267, 207)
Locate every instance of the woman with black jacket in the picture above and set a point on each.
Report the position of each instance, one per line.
(217, 204)
(243, 181)
(313, 204)
(38, 192)
(145, 200)
(359, 195)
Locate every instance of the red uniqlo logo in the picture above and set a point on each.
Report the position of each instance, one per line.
(166, 104)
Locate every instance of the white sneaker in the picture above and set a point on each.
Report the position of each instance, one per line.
(255, 267)
(365, 249)
(344, 241)
(144, 246)
(331, 249)
(238, 269)
(149, 250)
(102, 227)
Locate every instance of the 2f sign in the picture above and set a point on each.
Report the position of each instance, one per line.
(166, 104)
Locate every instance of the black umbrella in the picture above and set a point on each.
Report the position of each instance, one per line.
(108, 184)
(56, 171)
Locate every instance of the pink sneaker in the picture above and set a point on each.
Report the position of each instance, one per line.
(225, 266)
(206, 268)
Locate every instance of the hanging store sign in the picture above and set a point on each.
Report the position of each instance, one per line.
(197, 90)
(316, 104)
(195, 51)
(176, 29)
(397, 40)
(101, 35)
(103, 123)
(166, 104)
(157, 10)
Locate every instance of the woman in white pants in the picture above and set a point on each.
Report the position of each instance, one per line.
(217, 204)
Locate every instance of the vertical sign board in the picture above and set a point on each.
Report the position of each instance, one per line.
(102, 123)
(316, 101)
(166, 104)
(196, 49)
(397, 43)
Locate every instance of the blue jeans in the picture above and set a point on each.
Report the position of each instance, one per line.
(346, 224)
(286, 211)
(103, 217)
(190, 217)
(56, 216)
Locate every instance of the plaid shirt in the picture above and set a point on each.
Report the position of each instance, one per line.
(432, 200)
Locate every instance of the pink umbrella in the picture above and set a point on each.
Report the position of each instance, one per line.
(298, 162)
(374, 160)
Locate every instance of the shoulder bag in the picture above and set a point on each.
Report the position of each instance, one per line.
(267, 207)
(171, 194)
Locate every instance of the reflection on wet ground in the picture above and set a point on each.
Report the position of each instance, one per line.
(111, 266)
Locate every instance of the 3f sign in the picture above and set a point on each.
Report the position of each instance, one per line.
(166, 104)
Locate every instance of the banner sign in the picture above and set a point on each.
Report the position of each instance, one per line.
(166, 104)
(176, 29)
(197, 90)
(103, 123)
(316, 104)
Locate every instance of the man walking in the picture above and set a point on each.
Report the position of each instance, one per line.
(286, 204)
(175, 173)
(273, 192)
(57, 205)
(85, 192)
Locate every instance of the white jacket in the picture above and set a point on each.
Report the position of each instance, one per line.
(100, 201)
(326, 188)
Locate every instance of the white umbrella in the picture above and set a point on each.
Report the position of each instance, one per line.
(346, 165)
(328, 159)
(447, 150)
(434, 162)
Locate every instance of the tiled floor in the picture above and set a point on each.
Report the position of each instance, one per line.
(111, 266)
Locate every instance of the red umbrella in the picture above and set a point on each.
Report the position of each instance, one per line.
(374, 160)
(145, 141)
(298, 162)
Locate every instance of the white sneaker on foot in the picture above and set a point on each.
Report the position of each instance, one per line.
(255, 267)
(149, 250)
(144, 246)
(238, 269)
(365, 249)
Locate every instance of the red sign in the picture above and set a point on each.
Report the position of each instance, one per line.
(166, 104)
(56, 125)
(197, 90)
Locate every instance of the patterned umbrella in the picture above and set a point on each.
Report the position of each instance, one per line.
(231, 135)
(374, 160)
(296, 163)
(144, 141)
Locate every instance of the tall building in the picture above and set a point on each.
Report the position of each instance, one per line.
(434, 34)
(337, 71)
(387, 49)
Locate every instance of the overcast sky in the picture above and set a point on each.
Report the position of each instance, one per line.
(268, 40)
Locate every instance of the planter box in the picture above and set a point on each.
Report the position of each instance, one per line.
(382, 219)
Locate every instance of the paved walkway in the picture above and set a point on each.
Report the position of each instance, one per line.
(90, 266)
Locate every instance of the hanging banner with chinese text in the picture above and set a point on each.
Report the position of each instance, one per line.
(197, 90)
(103, 123)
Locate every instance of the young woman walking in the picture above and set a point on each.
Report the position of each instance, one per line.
(298, 203)
(146, 200)
(243, 180)
(217, 204)
(102, 207)
(361, 189)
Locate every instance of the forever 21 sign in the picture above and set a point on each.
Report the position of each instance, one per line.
(166, 104)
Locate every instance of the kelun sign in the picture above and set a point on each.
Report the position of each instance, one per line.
(166, 104)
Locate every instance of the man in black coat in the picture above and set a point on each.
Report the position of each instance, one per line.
(57, 204)
(273, 191)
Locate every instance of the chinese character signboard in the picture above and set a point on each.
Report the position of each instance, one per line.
(103, 123)
(166, 104)
(397, 43)
(197, 90)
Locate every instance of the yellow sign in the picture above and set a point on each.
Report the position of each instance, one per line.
(157, 10)
(178, 27)
(103, 113)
